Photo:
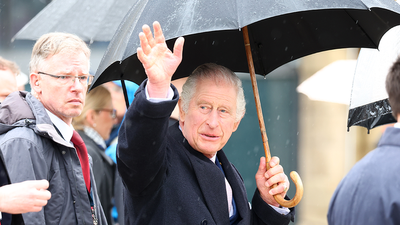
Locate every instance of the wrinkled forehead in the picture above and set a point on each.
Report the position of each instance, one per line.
(66, 61)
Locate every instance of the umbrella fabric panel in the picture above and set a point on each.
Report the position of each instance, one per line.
(112, 19)
(36, 27)
(91, 20)
(371, 115)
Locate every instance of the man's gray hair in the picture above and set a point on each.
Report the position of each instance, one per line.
(217, 73)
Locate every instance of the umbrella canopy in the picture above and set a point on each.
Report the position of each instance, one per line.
(277, 32)
(332, 83)
(91, 20)
(369, 106)
(280, 31)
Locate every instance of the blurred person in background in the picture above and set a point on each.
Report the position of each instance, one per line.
(369, 193)
(8, 77)
(117, 94)
(118, 98)
(94, 125)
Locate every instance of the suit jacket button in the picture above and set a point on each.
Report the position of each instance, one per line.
(204, 222)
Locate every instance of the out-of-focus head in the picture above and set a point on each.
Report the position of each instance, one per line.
(211, 107)
(59, 73)
(117, 94)
(393, 88)
(8, 77)
(98, 112)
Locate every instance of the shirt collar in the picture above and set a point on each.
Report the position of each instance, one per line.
(95, 136)
(396, 125)
(65, 129)
(213, 158)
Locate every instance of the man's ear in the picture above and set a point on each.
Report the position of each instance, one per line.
(236, 124)
(181, 112)
(35, 82)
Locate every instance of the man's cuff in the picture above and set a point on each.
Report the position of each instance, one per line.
(155, 100)
(283, 210)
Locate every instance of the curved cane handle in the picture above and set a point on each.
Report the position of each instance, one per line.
(297, 197)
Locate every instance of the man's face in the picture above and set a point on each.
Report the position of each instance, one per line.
(63, 100)
(210, 119)
(8, 83)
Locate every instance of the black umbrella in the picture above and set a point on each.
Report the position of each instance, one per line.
(279, 31)
(91, 20)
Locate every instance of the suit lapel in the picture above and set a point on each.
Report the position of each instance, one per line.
(238, 189)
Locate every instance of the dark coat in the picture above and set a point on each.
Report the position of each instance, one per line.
(370, 192)
(168, 182)
(103, 170)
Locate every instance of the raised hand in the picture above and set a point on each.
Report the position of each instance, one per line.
(266, 179)
(158, 61)
(23, 197)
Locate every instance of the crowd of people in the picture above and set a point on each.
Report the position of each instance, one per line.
(69, 156)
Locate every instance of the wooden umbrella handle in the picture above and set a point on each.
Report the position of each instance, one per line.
(293, 175)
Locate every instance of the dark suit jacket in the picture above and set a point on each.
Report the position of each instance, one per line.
(168, 182)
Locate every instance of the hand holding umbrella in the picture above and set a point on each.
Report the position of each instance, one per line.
(294, 175)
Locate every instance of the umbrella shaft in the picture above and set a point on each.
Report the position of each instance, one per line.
(256, 94)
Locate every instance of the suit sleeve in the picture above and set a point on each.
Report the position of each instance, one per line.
(262, 213)
(141, 153)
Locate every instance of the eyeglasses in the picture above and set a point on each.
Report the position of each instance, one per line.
(113, 112)
(65, 79)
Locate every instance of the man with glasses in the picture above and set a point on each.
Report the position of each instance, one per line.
(38, 140)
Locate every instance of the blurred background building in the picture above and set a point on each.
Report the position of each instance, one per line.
(309, 136)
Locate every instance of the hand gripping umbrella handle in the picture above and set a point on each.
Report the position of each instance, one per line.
(297, 197)
(293, 175)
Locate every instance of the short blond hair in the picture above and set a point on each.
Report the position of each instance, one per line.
(53, 43)
(7, 64)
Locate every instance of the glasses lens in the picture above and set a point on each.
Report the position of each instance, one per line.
(64, 79)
